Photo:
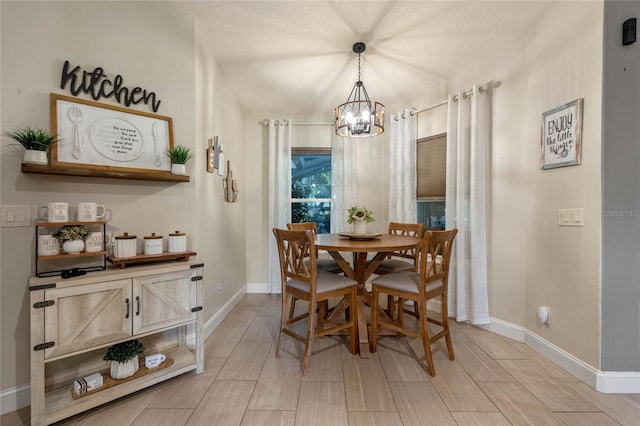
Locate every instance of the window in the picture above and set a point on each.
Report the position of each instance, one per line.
(311, 187)
(431, 163)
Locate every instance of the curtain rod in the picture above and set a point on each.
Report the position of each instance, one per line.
(483, 88)
(266, 123)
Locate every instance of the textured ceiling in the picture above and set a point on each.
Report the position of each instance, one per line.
(288, 58)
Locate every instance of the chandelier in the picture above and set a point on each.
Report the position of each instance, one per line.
(358, 117)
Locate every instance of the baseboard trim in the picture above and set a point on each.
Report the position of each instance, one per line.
(258, 288)
(15, 398)
(602, 381)
(215, 320)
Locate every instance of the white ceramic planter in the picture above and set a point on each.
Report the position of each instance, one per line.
(73, 246)
(122, 370)
(179, 169)
(360, 227)
(32, 156)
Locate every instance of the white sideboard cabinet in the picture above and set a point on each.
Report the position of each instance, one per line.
(74, 320)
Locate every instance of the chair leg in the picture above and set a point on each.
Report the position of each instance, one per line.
(374, 317)
(292, 308)
(353, 318)
(426, 342)
(310, 334)
(445, 323)
(391, 304)
(283, 322)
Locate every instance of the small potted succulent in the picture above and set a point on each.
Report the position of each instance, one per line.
(124, 358)
(359, 216)
(179, 155)
(35, 141)
(72, 237)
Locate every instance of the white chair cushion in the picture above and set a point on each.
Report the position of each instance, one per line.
(404, 281)
(326, 282)
(390, 266)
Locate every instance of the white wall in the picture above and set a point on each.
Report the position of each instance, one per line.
(534, 262)
(154, 46)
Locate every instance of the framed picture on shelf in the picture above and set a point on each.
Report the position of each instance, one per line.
(96, 136)
(561, 141)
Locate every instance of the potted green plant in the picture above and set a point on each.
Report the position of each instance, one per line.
(35, 141)
(72, 237)
(124, 358)
(179, 155)
(359, 216)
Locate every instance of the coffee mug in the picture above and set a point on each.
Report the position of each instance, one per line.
(54, 212)
(88, 212)
(152, 361)
(48, 245)
(94, 241)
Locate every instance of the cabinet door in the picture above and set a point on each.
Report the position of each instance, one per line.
(87, 315)
(163, 300)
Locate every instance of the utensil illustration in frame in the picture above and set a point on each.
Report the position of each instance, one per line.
(92, 135)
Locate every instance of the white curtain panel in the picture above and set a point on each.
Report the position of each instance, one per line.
(467, 203)
(344, 180)
(402, 168)
(279, 192)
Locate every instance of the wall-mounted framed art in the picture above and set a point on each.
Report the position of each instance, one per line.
(561, 140)
(98, 137)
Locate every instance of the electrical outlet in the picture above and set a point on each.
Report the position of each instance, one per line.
(220, 287)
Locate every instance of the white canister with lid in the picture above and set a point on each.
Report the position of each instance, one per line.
(153, 244)
(125, 245)
(177, 242)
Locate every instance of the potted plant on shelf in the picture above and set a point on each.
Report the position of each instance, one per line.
(72, 237)
(179, 155)
(35, 141)
(359, 216)
(124, 358)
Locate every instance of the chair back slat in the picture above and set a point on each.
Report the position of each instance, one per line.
(435, 256)
(303, 226)
(410, 229)
(293, 248)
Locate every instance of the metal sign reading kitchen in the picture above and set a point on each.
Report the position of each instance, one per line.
(98, 85)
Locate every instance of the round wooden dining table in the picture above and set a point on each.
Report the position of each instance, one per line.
(363, 268)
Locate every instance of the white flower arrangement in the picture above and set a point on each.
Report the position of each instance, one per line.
(359, 214)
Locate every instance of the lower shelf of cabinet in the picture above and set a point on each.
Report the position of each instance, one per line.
(59, 403)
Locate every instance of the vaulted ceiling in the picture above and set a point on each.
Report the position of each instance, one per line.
(295, 58)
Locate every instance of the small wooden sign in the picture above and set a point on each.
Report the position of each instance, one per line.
(211, 156)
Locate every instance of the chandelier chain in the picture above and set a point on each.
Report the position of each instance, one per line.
(359, 67)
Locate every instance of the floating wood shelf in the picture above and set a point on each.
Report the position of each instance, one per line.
(104, 173)
(146, 258)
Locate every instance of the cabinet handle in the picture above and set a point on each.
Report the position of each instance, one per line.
(137, 305)
(127, 302)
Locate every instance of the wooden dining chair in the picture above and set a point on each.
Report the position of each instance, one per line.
(326, 265)
(401, 260)
(431, 280)
(302, 281)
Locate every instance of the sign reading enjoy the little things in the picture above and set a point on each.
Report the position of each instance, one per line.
(562, 135)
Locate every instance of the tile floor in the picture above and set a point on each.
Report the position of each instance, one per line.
(493, 381)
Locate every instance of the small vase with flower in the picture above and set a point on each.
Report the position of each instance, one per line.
(359, 216)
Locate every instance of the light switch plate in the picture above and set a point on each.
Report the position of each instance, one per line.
(12, 216)
(571, 217)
